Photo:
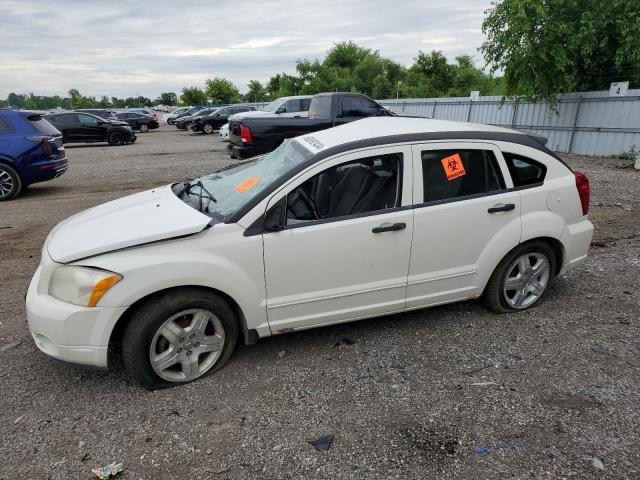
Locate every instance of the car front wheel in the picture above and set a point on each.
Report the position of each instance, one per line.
(144, 128)
(178, 338)
(521, 279)
(116, 138)
(10, 183)
(207, 128)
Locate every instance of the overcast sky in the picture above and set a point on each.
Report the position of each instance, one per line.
(124, 48)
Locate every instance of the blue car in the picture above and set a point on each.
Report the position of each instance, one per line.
(31, 151)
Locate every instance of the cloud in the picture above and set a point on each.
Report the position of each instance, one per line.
(108, 47)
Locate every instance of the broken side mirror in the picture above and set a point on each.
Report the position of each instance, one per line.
(274, 219)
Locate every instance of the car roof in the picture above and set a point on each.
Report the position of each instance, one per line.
(377, 127)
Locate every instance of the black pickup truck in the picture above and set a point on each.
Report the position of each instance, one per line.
(251, 136)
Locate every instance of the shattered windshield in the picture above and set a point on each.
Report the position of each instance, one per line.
(223, 193)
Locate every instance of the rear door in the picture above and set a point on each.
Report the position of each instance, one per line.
(467, 217)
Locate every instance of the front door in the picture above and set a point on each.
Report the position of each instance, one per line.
(90, 128)
(344, 252)
(467, 217)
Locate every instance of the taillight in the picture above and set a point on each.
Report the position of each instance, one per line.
(582, 184)
(245, 134)
(44, 141)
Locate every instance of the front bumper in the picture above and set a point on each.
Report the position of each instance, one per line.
(68, 332)
(131, 136)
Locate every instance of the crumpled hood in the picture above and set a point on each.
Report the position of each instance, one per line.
(133, 220)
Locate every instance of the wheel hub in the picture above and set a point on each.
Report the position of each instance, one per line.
(526, 280)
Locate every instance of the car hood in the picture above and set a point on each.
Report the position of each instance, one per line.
(133, 220)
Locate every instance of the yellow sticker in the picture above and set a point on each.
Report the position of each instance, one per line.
(453, 166)
(247, 184)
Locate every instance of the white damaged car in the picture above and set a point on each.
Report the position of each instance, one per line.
(375, 217)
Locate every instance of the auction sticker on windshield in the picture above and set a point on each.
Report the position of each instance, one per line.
(453, 166)
(247, 184)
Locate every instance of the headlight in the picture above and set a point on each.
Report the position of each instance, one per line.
(81, 285)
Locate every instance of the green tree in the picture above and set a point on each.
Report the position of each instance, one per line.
(256, 93)
(193, 96)
(167, 98)
(221, 90)
(554, 46)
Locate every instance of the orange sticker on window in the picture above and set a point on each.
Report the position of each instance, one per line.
(247, 184)
(453, 166)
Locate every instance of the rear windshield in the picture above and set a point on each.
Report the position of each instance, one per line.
(320, 107)
(42, 125)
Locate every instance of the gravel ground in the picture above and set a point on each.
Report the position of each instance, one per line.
(405, 396)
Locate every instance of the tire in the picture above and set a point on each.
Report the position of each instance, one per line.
(170, 121)
(117, 139)
(207, 128)
(176, 312)
(10, 183)
(529, 288)
(144, 128)
(187, 126)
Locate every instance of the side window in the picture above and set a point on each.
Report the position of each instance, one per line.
(365, 185)
(358, 107)
(304, 104)
(4, 126)
(292, 106)
(459, 173)
(524, 171)
(67, 119)
(87, 119)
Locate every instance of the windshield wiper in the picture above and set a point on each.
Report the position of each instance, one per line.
(188, 186)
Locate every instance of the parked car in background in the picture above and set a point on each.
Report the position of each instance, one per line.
(99, 112)
(371, 218)
(223, 133)
(297, 106)
(254, 135)
(188, 113)
(184, 122)
(144, 111)
(168, 118)
(218, 117)
(84, 127)
(138, 121)
(31, 151)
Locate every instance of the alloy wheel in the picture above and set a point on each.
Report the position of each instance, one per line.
(187, 345)
(6, 184)
(208, 128)
(526, 280)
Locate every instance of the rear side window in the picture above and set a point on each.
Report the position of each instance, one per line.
(320, 107)
(358, 107)
(4, 126)
(304, 104)
(42, 125)
(524, 171)
(450, 174)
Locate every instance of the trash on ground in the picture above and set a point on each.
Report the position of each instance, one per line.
(282, 353)
(479, 369)
(18, 420)
(598, 463)
(506, 446)
(323, 443)
(345, 342)
(108, 471)
(277, 448)
(9, 346)
(482, 384)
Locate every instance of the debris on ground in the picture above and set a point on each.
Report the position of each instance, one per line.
(598, 463)
(506, 446)
(323, 443)
(18, 420)
(479, 369)
(277, 448)
(282, 353)
(345, 342)
(9, 346)
(482, 384)
(108, 471)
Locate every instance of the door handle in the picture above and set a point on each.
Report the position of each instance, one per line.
(389, 227)
(502, 208)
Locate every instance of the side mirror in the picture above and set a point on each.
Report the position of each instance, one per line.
(274, 219)
(282, 109)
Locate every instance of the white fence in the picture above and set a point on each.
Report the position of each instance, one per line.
(588, 123)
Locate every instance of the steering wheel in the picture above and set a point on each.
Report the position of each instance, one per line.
(310, 203)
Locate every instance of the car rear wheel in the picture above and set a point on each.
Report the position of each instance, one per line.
(10, 183)
(116, 138)
(144, 128)
(521, 279)
(178, 338)
(207, 128)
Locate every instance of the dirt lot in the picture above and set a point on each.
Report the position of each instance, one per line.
(396, 392)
